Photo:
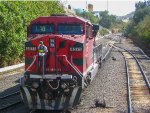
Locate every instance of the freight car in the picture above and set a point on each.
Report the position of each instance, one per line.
(60, 61)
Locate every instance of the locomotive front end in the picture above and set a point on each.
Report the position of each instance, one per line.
(53, 79)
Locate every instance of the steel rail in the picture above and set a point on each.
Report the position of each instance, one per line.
(144, 54)
(127, 73)
(141, 69)
(10, 105)
(15, 93)
(128, 85)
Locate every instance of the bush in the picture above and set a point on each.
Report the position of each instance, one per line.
(103, 31)
(143, 29)
(139, 27)
(15, 16)
(88, 15)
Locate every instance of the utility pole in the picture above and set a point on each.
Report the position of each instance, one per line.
(86, 5)
(107, 5)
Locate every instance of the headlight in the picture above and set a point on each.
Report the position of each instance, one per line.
(63, 86)
(35, 85)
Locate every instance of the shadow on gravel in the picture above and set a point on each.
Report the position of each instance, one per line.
(47, 111)
(11, 89)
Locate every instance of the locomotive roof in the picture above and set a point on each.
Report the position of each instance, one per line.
(61, 17)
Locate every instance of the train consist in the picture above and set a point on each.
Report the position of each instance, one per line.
(60, 61)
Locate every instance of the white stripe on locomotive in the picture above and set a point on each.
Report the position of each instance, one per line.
(38, 102)
(29, 100)
(74, 93)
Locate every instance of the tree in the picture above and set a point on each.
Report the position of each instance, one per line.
(140, 14)
(15, 16)
(140, 5)
(143, 28)
(139, 26)
(107, 20)
(88, 15)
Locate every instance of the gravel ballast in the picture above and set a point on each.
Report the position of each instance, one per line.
(109, 84)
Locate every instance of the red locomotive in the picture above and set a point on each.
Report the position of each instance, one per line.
(60, 60)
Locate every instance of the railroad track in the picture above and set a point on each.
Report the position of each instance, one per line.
(7, 101)
(137, 84)
(12, 94)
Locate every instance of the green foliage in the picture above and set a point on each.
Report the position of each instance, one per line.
(107, 20)
(140, 14)
(111, 22)
(92, 18)
(143, 28)
(89, 16)
(103, 31)
(15, 16)
(128, 29)
(139, 26)
(142, 5)
(120, 25)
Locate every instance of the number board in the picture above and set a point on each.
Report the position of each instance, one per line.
(52, 43)
(76, 49)
(43, 28)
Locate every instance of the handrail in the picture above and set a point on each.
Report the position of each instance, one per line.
(98, 51)
(107, 53)
(75, 68)
(97, 46)
(31, 64)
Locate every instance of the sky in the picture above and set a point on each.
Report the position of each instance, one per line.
(115, 7)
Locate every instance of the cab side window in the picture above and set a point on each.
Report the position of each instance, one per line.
(88, 32)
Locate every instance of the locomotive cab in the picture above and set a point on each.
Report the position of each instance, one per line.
(55, 76)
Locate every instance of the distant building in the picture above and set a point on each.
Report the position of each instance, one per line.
(80, 10)
(97, 13)
(90, 7)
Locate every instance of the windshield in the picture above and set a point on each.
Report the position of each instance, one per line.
(42, 29)
(70, 29)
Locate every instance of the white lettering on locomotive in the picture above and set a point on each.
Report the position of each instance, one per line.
(75, 49)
